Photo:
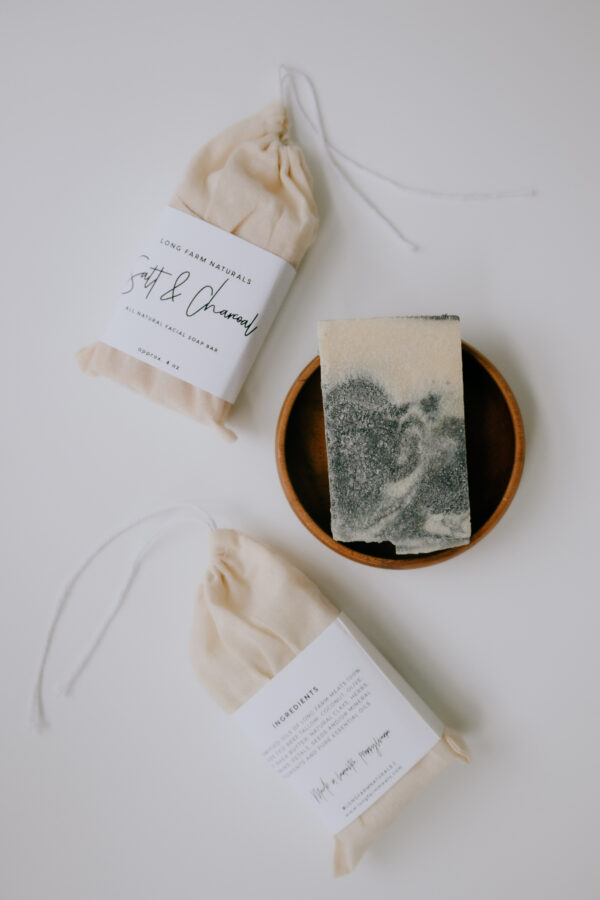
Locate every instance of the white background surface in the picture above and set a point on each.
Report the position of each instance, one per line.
(142, 788)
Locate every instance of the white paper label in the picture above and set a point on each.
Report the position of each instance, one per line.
(198, 303)
(340, 724)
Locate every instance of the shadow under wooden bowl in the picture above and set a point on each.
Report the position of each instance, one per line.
(495, 456)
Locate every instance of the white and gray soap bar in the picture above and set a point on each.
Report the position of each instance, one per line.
(395, 431)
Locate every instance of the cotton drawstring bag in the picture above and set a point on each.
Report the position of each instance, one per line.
(254, 616)
(250, 181)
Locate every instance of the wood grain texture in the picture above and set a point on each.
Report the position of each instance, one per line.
(495, 457)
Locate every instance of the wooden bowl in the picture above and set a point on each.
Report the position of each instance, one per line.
(495, 455)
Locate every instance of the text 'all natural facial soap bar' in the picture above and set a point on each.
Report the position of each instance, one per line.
(395, 431)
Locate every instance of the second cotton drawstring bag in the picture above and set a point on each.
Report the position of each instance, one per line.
(277, 655)
(254, 614)
(249, 182)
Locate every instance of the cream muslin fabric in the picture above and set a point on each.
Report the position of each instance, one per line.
(252, 182)
(254, 613)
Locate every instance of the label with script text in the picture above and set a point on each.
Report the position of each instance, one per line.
(198, 303)
(340, 724)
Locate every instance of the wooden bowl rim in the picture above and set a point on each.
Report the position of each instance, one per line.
(400, 562)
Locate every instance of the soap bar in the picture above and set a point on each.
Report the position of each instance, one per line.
(395, 431)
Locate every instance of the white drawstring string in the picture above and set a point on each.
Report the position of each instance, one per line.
(290, 77)
(199, 516)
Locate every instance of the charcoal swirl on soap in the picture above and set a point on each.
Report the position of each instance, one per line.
(397, 472)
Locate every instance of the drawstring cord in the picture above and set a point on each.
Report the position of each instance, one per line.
(290, 78)
(186, 514)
